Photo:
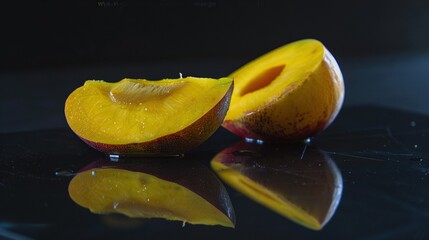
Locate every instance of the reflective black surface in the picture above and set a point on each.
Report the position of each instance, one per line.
(174, 188)
(382, 155)
(296, 180)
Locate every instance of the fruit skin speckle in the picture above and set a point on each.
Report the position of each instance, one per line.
(178, 143)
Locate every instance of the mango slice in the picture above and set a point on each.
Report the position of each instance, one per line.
(291, 93)
(297, 181)
(135, 116)
(182, 190)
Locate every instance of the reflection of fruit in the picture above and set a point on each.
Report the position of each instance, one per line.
(297, 181)
(291, 93)
(173, 189)
(148, 117)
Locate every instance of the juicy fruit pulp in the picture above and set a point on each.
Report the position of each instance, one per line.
(154, 188)
(297, 181)
(290, 93)
(141, 116)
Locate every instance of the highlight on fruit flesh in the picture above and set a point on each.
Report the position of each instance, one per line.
(297, 181)
(154, 188)
(291, 93)
(137, 116)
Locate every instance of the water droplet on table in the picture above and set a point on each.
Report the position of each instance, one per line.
(64, 172)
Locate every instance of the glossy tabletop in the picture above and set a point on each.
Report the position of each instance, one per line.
(365, 177)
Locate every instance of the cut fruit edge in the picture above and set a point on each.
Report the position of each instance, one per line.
(242, 106)
(83, 125)
(172, 145)
(284, 78)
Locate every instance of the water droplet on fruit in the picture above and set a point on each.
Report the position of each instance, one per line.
(115, 205)
(93, 173)
(249, 113)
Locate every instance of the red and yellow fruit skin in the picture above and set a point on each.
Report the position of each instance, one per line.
(177, 143)
(302, 111)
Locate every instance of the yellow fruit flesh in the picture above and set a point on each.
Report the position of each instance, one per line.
(137, 110)
(266, 78)
(136, 194)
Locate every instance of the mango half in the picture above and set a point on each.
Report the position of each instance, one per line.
(291, 93)
(137, 116)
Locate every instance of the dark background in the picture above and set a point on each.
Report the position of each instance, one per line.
(49, 48)
(51, 32)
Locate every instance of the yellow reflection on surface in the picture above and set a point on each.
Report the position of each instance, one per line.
(297, 181)
(173, 189)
